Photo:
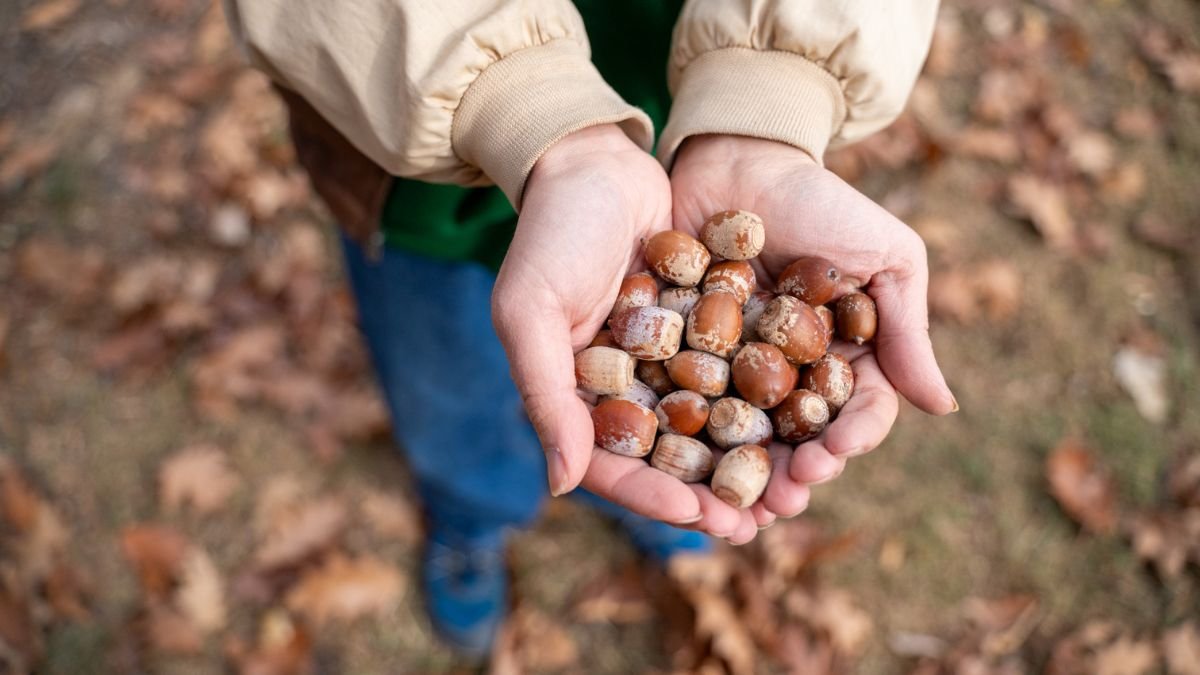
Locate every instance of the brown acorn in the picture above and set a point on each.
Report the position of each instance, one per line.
(687, 459)
(604, 339)
(637, 290)
(795, 328)
(654, 374)
(801, 416)
(677, 257)
(624, 427)
(604, 370)
(678, 299)
(752, 310)
(811, 279)
(715, 324)
(682, 412)
(742, 475)
(826, 316)
(701, 372)
(734, 235)
(732, 276)
(762, 374)
(732, 422)
(831, 377)
(639, 392)
(856, 318)
(649, 333)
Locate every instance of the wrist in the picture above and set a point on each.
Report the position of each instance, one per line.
(578, 147)
(739, 152)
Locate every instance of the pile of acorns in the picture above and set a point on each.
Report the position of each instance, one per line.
(772, 346)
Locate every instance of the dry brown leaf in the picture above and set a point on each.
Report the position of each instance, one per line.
(284, 647)
(1125, 185)
(153, 112)
(1004, 94)
(1137, 122)
(48, 14)
(69, 273)
(718, 623)
(832, 611)
(1091, 152)
(540, 643)
(198, 475)
(391, 517)
(1184, 72)
(21, 643)
(201, 593)
(999, 286)
(19, 503)
(619, 599)
(1143, 376)
(998, 145)
(1046, 206)
(167, 630)
(235, 371)
(26, 161)
(1167, 539)
(346, 589)
(1181, 649)
(1126, 656)
(157, 554)
(1005, 623)
(1183, 479)
(1083, 487)
(302, 532)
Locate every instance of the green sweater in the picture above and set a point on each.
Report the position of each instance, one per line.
(631, 41)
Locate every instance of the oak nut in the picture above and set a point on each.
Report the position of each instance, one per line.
(734, 235)
(741, 476)
(701, 372)
(794, 327)
(856, 318)
(639, 392)
(801, 415)
(624, 427)
(678, 299)
(812, 279)
(827, 320)
(830, 377)
(654, 374)
(732, 276)
(650, 333)
(682, 412)
(604, 370)
(733, 422)
(677, 257)
(637, 290)
(715, 324)
(762, 374)
(685, 458)
(604, 338)
(752, 309)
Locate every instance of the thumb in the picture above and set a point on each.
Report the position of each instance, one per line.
(538, 344)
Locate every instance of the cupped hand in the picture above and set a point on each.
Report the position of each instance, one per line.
(810, 211)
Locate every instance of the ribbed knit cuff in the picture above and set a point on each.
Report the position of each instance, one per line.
(524, 103)
(779, 96)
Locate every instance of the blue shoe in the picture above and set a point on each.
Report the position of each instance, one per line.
(466, 590)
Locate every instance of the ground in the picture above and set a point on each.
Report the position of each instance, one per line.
(196, 474)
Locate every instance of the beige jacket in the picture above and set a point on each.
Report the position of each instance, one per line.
(474, 91)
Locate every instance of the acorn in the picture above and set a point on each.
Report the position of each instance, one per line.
(604, 370)
(624, 427)
(856, 317)
(682, 412)
(637, 290)
(826, 316)
(701, 372)
(762, 374)
(677, 257)
(604, 339)
(831, 377)
(639, 392)
(734, 235)
(794, 327)
(732, 421)
(654, 374)
(715, 324)
(801, 416)
(732, 276)
(752, 310)
(649, 333)
(812, 279)
(687, 459)
(741, 476)
(679, 299)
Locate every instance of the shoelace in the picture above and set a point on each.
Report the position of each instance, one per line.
(446, 563)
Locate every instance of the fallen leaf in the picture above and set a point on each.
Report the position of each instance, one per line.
(1137, 122)
(1005, 623)
(157, 554)
(198, 475)
(1083, 487)
(26, 161)
(832, 611)
(69, 273)
(48, 14)
(1126, 656)
(346, 589)
(201, 593)
(997, 145)
(1046, 206)
(999, 286)
(21, 644)
(1181, 649)
(1144, 377)
(1183, 479)
(619, 599)
(1167, 539)
(235, 371)
(19, 503)
(284, 647)
(167, 630)
(1125, 185)
(229, 226)
(717, 623)
(1184, 72)
(300, 533)
(1004, 94)
(391, 517)
(1090, 152)
(541, 643)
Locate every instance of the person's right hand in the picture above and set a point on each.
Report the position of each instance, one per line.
(589, 202)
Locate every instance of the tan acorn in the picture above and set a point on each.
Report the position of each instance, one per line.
(801, 416)
(655, 375)
(742, 475)
(762, 374)
(734, 235)
(732, 276)
(678, 299)
(624, 427)
(811, 279)
(701, 372)
(639, 392)
(732, 422)
(604, 370)
(856, 318)
(682, 412)
(649, 333)
(715, 324)
(677, 257)
(637, 290)
(604, 339)
(795, 328)
(826, 316)
(687, 459)
(832, 378)
(752, 310)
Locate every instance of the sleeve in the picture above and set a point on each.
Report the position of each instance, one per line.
(451, 91)
(810, 73)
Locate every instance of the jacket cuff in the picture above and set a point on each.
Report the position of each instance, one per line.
(776, 95)
(522, 104)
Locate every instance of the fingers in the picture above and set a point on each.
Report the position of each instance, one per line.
(786, 495)
(720, 519)
(813, 464)
(543, 368)
(637, 486)
(866, 418)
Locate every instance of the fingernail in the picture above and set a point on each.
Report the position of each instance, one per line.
(691, 520)
(556, 472)
(955, 402)
(760, 529)
(854, 452)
